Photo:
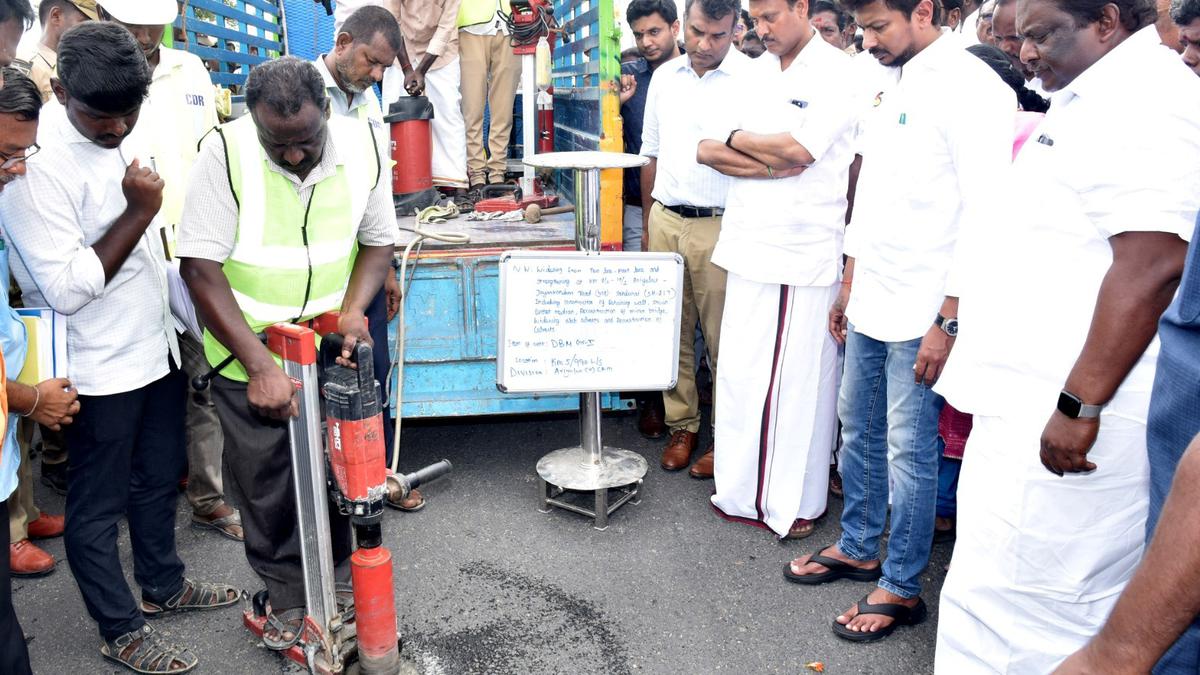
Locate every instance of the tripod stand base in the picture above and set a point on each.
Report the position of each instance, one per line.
(572, 470)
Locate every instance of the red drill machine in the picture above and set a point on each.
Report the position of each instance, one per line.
(349, 469)
(529, 21)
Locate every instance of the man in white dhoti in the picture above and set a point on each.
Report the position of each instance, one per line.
(1059, 321)
(428, 66)
(936, 142)
(781, 244)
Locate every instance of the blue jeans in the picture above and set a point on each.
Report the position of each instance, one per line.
(947, 494)
(883, 409)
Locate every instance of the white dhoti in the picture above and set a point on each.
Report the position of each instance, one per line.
(777, 403)
(442, 86)
(1040, 560)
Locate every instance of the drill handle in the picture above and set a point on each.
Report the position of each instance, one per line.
(427, 475)
(331, 349)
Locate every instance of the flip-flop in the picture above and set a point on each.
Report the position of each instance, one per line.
(836, 570)
(289, 620)
(902, 615)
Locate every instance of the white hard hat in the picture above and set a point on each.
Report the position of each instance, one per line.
(141, 12)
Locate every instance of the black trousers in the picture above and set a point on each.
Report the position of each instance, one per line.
(377, 325)
(14, 657)
(259, 459)
(127, 454)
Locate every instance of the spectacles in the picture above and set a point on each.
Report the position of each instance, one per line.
(9, 161)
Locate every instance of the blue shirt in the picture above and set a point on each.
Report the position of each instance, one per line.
(632, 112)
(12, 342)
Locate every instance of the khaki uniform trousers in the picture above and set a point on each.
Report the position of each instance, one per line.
(490, 75)
(205, 442)
(703, 299)
(21, 509)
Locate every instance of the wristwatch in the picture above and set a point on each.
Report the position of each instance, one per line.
(948, 326)
(1072, 406)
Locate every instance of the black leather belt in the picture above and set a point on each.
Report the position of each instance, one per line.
(694, 211)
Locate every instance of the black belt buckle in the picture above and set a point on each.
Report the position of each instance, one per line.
(695, 211)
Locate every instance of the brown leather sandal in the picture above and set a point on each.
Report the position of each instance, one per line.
(192, 595)
(146, 651)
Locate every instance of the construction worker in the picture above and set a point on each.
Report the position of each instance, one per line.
(366, 42)
(83, 224)
(179, 111)
(288, 216)
(55, 17)
(490, 74)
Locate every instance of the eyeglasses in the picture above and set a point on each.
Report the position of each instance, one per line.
(9, 161)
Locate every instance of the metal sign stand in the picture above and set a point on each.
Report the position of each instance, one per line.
(589, 466)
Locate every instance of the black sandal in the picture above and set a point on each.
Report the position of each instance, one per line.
(901, 615)
(151, 655)
(287, 621)
(192, 595)
(836, 570)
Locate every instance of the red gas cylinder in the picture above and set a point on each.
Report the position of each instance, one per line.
(412, 153)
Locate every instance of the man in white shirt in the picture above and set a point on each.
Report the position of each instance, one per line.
(682, 201)
(84, 224)
(1054, 488)
(935, 145)
(369, 35)
(1009, 40)
(781, 245)
(177, 114)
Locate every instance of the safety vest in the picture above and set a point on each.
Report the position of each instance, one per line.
(472, 12)
(292, 261)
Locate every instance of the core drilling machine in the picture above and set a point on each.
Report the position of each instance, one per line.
(345, 464)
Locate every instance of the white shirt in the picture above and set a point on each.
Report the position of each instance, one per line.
(673, 127)
(967, 28)
(932, 153)
(119, 334)
(1084, 176)
(494, 27)
(789, 230)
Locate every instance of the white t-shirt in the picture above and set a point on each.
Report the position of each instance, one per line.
(678, 107)
(932, 150)
(1106, 159)
(789, 230)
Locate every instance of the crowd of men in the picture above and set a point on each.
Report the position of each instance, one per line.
(946, 259)
(930, 249)
(170, 242)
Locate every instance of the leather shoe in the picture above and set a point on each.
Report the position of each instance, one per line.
(27, 560)
(679, 450)
(650, 421)
(54, 476)
(703, 468)
(46, 526)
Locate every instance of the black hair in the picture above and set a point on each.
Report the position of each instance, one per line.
(640, 9)
(47, 5)
(1183, 12)
(367, 22)
(716, 9)
(905, 7)
(17, 9)
(751, 35)
(1134, 14)
(101, 65)
(747, 19)
(20, 96)
(998, 61)
(284, 85)
(842, 18)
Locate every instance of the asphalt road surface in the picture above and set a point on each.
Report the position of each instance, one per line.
(487, 584)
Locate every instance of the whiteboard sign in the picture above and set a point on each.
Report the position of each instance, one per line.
(579, 322)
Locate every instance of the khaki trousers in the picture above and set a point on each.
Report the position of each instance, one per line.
(21, 509)
(490, 75)
(703, 299)
(205, 442)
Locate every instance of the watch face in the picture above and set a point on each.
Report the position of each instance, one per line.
(951, 327)
(1069, 405)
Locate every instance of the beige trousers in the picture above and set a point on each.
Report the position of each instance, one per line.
(205, 442)
(21, 509)
(703, 299)
(490, 75)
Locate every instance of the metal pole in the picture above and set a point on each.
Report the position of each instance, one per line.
(587, 238)
(528, 119)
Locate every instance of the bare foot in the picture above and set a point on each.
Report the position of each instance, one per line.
(870, 623)
(802, 567)
(941, 524)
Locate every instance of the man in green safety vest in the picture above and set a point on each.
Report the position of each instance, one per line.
(288, 216)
